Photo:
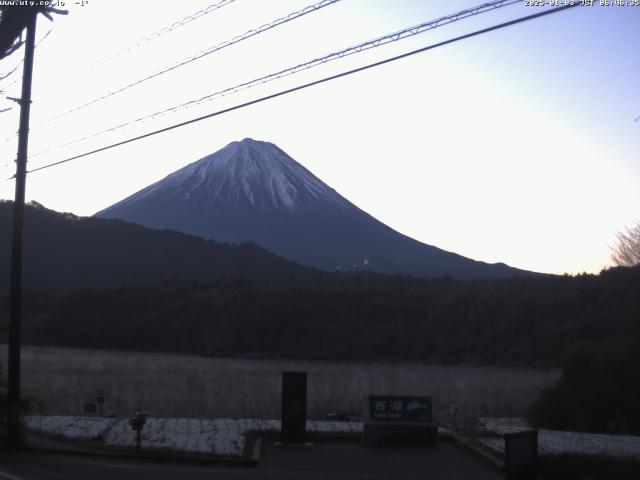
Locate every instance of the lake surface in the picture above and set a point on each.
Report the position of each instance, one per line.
(62, 380)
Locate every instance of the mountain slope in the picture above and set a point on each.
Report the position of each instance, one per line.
(254, 191)
(65, 251)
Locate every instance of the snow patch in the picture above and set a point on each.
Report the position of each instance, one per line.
(222, 436)
(552, 442)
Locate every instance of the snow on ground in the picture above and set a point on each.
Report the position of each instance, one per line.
(79, 428)
(227, 436)
(551, 442)
(187, 435)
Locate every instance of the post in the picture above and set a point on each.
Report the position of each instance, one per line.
(137, 424)
(521, 455)
(100, 400)
(15, 293)
(294, 407)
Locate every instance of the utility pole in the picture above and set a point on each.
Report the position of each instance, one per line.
(14, 437)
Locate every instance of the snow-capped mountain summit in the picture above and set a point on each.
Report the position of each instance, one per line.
(245, 174)
(253, 191)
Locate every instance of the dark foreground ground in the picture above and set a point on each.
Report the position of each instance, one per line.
(326, 460)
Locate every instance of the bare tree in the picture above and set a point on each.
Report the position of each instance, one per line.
(626, 251)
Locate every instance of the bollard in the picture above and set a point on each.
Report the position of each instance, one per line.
(521, 455)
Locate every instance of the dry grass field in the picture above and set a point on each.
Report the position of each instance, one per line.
(170, 385)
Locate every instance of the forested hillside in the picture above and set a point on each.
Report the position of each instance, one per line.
(64, 251)
(516, 321)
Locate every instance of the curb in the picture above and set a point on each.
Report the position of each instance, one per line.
(157, 457)
(57, 446)
(489, 457)
(256, 453)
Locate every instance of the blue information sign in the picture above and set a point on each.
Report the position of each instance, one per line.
(387, 408)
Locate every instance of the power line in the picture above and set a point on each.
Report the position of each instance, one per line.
(227, 43)
(128, 48)
(169, 28)
(370, 44)
(14, 69)
(10, 72)
(3, 88)
(310, 84)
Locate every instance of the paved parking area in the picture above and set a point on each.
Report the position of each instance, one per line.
(445, 461)
(325, 460)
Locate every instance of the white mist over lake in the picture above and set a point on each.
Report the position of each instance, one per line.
(61, 381)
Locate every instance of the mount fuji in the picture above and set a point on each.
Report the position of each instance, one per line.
(252, 191)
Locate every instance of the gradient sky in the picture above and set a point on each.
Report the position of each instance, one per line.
(518, 146)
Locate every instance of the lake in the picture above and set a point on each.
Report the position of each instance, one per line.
(62, 380)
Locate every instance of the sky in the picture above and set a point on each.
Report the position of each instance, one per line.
(518, 146)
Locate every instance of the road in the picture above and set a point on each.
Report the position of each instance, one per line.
(323, 461)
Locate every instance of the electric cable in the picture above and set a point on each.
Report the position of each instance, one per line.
(4, 76)
(169, 28)
(367, 45)
(308, 85)
(227, 43)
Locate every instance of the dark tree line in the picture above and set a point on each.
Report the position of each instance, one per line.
(588, 324)
(514, 321)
